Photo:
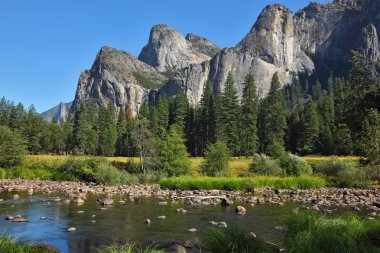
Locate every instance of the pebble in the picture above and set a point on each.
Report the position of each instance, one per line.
(16, 196)
(192, 230)
(161, 217)
(222, 224)
(43, 218)
(71, 229)
(80, 212)
(147, 221)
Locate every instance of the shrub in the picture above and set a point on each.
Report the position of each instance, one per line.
(12, 148)
(216, 161)
(331, 167)
(294, 165)
(95, 170)
(310, 233)
(232, 240)
(342, 173)
(264, 165)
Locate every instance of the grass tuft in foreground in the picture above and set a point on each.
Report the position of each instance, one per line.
(128, 248)
(10, 245)
(232, 240)
(309, 232)
(237, 183)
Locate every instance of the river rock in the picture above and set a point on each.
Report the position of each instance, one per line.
(71, 229)
(30, 191)
(106, 202)
(181, 210)
(241, 210)
(161, 217)
(1, 200)
(226, 202)
(252, 234)
(19, 218)
(222, 224)
(147, 221)
(9, 217)
(79, 201)
(376, 203)
(43, 218)
(192, 230)
(16, 196)
(67, 201)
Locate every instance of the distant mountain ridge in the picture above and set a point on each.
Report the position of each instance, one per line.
(314, 41)
(59, 112)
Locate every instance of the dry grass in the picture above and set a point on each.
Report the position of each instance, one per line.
(238, 165)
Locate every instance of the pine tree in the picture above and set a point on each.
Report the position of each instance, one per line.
(85, 137)
(274, 120)
(174, 158)
(229, 115)
(206, 117)
(107, 131)
(248, 119)
(179, 109)
(310, 128)
(121, 128)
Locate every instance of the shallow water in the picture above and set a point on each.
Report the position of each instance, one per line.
(124, 222)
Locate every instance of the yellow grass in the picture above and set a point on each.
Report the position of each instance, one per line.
(238, 165)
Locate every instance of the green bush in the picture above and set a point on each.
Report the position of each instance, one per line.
(331, 167)
(342, 173)
(97, 170)
(295, 166)
(313, 233)
(152, 176)
(12, 148)
(265, 165)
(216, 161)
(232, 240)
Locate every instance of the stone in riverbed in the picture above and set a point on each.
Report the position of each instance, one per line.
(30, 191)
(147, 221)
(241, 210)
(43, 218)
(71, 229)
(16, 196)
(181, 210)
(19, 218)
(161, 217)
(226, 202)
(106, 202)
(79, 201)
(1, 200)
(222, 224)
(9, 217)
(192, 230)
(376, 203)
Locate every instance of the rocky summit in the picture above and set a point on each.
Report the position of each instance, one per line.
(316, 40)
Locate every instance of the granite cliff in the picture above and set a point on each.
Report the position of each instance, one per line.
(314, 41)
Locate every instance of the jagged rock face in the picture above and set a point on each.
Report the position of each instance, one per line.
(118, 77)
(190, 80)
(317, 39)
(202, 45)
(167, 49)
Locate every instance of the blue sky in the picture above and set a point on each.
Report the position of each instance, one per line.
(46, 44)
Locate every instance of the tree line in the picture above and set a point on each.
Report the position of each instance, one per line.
(340, 117)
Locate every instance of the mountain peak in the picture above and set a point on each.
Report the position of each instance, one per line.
(168, 49)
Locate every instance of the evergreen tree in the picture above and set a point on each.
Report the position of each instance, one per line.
(121, 128)
(229, 115)
(12, 148)
(273, 119)
(85, 137)
(174, 158)
(107, 131)
(33, 130)
(180, 107)
(160, 118)
(206, 117)
(248, 119)
(217, 157)
(310, 128)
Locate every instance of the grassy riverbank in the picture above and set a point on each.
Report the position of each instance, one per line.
(241, 183)
(10, 245)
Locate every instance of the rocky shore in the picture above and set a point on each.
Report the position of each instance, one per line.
(324, 198)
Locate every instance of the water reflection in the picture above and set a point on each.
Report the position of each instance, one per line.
(124, 222)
